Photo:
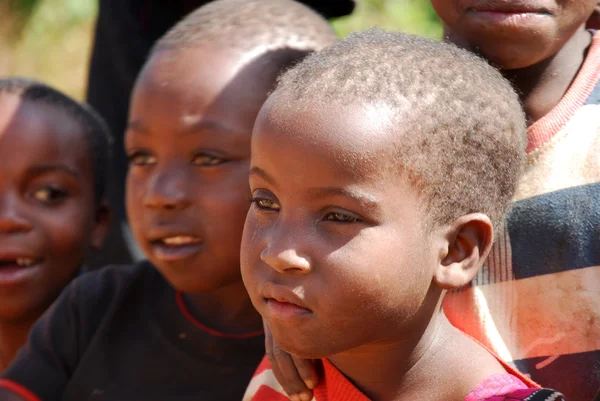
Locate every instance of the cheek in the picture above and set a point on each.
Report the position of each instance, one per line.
(224, 201)
(68, 232)
(134, 192)
(250, 252)
(383, 274)
(447, 10)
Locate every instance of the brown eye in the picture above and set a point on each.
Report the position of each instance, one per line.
(49, 194)
(142, 159)
(340, 218)
(204, 159)
(266, 204)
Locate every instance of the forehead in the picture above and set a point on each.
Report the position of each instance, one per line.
(358, 137)
(37, 132)
(186, 85)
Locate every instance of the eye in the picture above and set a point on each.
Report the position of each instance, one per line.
(203, 159)
(266, 204)
(142, 159)
(341, 218)
(49, 194)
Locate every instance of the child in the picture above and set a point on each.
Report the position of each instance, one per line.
(125, 31)
(185, 330)
(53, 160)
(379, 167)
(537, 301)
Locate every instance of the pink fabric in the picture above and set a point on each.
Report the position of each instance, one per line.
(496, 387)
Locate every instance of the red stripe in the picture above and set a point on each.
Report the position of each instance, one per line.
(212, 332)
(543, 130)
(266, 393)
(18, 390)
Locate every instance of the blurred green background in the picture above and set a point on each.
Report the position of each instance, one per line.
(51, 39)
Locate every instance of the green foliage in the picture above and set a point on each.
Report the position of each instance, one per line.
(412, 16)
(50, 39)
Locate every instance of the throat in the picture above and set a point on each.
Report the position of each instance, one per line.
(543, 85)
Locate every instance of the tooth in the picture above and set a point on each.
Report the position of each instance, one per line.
(179, 240)
(24, 262)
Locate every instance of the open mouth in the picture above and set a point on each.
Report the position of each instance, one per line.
(19, 262)
(176, 247)
(179, 240)
(15, 269)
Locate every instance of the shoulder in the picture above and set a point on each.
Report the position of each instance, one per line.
(113, 278)
(95, 292)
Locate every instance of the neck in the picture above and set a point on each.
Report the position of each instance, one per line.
(400, 370)
(542, 85)
(13, 335)
(227, 309)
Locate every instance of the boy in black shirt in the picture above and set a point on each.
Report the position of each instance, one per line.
(53, 160)
(187, 330)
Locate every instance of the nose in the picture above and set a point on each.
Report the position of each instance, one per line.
(168, 191)
(11, 218)
(283, 252)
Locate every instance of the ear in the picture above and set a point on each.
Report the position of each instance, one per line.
(468, 241)
(101, 225)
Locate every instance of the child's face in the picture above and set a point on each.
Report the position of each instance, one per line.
(514, 34)
(188, 142)
(335, 254)
(48, 215)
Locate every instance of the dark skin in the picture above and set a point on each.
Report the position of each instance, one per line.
(338, 261)
(540, 54)
(188, 141)
(49, 217)
(539, 45)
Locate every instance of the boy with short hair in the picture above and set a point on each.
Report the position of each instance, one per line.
(379, 169)
(54, 155)
(536, 300)
(183, 327)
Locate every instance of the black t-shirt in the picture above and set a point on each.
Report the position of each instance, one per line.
(125, 32)
(122, 333)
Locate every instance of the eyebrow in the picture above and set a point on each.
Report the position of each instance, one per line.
(202, 125)
(137, 125)
(51, 168)
(262, 174)
(207, 125)
(368, 201)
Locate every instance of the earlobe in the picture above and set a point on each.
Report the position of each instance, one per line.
(101, 226)
(468, 242)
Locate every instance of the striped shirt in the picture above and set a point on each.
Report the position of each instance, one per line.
(536, 302)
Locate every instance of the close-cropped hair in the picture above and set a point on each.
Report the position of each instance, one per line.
(459, 128)
(245, 25)
(94, 129)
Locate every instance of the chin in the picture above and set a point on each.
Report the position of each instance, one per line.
(306, 347)
(509, 58)
(20, 313)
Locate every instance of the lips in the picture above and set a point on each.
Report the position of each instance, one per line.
(178, 240)
(283, 303)
(17, 266)
(171, 245)
(506, 7)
